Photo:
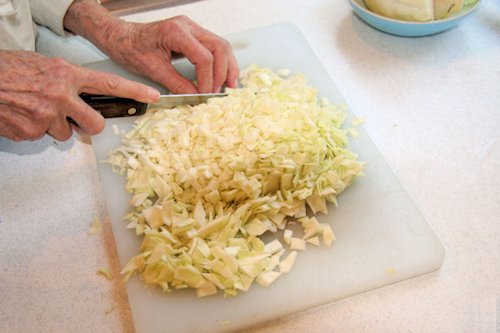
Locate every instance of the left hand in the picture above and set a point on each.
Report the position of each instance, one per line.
(147, 49)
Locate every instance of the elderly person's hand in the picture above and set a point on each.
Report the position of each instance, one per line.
(147, 48)
(39, 94)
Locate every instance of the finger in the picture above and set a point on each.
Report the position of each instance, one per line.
(224, 61)
(60, 129)
(18, 127)
(95, 82)
(88, 119)
(167, 76)
(225, 65)
(200, 57)
(9, 123)
(221, 64)
(233, 72)
(20, 119)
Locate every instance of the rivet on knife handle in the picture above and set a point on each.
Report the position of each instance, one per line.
(112, 107)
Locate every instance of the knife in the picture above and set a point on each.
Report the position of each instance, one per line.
(112, 107)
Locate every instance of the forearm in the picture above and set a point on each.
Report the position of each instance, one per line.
(94, 22)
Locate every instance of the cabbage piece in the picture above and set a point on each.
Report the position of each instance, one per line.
(207, 289)
(287, 264)
(313, 240)
(106, 273)
(208, 181)
(266, 278)
(95, 226)
(328, 235)
(287, 236)
(273, 247)
(297, 244)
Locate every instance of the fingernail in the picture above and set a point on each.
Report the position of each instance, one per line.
(235, 83)
(218, 89)
(153, 94)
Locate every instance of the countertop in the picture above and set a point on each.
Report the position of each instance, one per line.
(432, 107)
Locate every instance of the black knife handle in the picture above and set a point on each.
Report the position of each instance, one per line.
(112, 107)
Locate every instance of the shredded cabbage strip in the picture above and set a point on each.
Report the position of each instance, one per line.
(207, 181)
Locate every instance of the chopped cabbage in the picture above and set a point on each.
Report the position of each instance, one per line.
(287, 264)
(208, 181)
(105, 272)
(95, 226)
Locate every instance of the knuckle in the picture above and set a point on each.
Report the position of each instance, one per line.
(43, 114)
(178, 88)
(182, 18)
(177, 24)
(31, 132)
(112, 82)
(54, 93)
(174, 27)
(224, 44)
(59, 66)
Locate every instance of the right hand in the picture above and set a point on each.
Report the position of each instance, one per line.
(37, 94)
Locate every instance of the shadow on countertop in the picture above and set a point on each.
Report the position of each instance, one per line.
(37, 146)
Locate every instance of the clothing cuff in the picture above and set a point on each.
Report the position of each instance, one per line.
(50, 13)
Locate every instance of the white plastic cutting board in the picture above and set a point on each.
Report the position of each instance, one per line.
(381, 236)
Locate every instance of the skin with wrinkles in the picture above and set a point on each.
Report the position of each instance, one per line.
(38, 94)
(147, 48)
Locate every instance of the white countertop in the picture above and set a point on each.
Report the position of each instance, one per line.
(432, 107)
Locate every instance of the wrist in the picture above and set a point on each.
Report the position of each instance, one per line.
(95, 23)
(112, 30)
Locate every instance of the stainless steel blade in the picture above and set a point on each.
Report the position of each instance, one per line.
(170, 101)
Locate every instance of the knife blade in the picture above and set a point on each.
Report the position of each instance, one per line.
(112, 107)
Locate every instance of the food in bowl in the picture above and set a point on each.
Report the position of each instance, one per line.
(418, 10)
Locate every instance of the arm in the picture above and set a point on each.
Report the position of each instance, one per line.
(147, 48)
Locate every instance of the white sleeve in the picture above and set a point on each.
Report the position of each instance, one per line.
(50, 13)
